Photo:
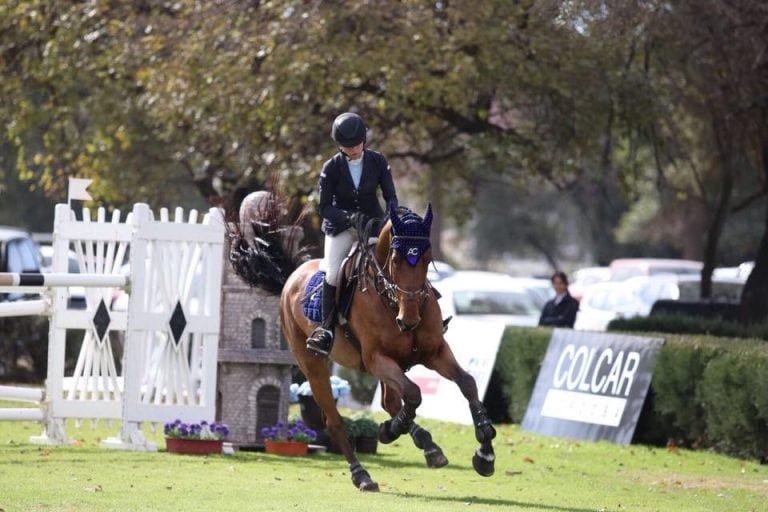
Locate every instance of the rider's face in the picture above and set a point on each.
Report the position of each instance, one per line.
(354, 152)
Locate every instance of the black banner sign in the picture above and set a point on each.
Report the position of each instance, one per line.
(591, 385)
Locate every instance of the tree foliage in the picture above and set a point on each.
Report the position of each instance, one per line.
(649, 108)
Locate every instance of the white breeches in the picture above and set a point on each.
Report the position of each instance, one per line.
(336, 249)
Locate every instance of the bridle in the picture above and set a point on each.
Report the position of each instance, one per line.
(387, 289)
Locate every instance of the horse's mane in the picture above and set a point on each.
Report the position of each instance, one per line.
(264, 244)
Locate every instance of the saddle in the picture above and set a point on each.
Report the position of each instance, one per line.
(353, 274)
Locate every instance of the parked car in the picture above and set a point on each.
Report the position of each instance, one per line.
(46, 260)
(76, 298)
(439, 270)
(491, 296)
(636, 296)
(19, 253)
(585, 277)
(740, 272)
(624, 268)
(539, 289)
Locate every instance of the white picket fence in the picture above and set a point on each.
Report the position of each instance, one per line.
(170, 328)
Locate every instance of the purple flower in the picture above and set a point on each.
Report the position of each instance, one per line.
(202, 430)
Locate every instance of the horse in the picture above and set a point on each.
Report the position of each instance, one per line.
(394, 322)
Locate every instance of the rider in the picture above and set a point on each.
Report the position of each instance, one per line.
(348, 188)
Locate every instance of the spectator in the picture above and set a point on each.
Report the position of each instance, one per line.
(561, 310)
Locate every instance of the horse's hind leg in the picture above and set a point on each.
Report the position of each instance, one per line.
(432, 452)
(392, 403)
(403, 411)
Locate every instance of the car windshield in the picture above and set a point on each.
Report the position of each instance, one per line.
(486, 302)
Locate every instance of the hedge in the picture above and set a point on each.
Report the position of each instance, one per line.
(706, 392)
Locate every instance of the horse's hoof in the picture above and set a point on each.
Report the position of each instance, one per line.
(435, 458)
(369, 486)
(363, 481)
(483, 465)
(385, 434)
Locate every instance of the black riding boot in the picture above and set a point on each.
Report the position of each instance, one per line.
(321, 340)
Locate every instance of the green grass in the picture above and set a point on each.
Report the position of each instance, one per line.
(533, 473)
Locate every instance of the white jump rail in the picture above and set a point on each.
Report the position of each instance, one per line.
(20, 394)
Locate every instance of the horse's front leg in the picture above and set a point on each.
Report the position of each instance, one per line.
(445, 364)
(392, 402)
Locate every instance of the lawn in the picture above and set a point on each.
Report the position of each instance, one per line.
(533, 473)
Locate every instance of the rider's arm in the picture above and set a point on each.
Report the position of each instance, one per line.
(387, 185)
(327, 188)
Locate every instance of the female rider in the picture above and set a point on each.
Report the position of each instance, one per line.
(348, 188)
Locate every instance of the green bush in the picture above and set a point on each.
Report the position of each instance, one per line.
(517, 366)
(706, 391)
(734, 423)
(681, 324)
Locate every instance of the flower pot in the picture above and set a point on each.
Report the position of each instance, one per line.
(366, 444)
(193, 446)
(293, 448)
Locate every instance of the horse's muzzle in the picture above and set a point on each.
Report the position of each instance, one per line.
(404, 327)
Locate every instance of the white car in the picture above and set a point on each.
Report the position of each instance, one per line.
(76, 293)
(439, 270)
(490, 296)
(585, 277)
(539, 289)
(636, 296)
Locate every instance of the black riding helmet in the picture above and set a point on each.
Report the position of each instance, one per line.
(348, 130)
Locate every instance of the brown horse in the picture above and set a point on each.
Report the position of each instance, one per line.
(394, 323)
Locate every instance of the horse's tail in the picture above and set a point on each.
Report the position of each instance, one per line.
(265, 248)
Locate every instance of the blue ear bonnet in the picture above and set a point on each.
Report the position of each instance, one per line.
(410, 234)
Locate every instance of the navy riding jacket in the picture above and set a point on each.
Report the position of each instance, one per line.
(339, 197)
(562, 314)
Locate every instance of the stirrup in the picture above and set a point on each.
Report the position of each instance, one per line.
(320, 341)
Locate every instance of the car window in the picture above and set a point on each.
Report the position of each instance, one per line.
(22, 255)
(483, 302)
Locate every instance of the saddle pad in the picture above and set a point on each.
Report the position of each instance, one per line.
(313, 297)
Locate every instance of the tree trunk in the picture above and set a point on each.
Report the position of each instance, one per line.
(726, 150)
(754, 296)
(434, 192)
(715, 230)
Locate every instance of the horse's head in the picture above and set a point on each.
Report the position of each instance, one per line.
(405, 252)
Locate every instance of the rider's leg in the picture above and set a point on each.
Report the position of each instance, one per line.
(336, 248)
(321, 340)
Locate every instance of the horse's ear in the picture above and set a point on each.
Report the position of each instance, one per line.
(396, 224)
(428, 217)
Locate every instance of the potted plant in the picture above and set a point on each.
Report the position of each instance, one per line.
(310, 411)
(194, 438)
(363, 433)
(290, 439)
